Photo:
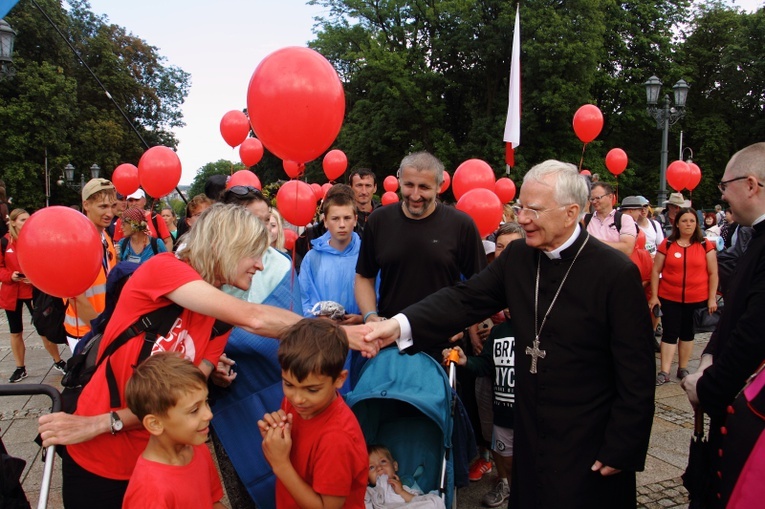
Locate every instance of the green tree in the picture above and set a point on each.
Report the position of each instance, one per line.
(219, 167)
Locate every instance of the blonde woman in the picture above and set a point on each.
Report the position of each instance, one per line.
(16, 292)
(276, 231)
(225, 246)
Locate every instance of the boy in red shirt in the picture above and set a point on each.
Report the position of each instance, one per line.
(314, 443)
(169, 395)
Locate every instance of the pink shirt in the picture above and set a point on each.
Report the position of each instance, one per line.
(606, 229)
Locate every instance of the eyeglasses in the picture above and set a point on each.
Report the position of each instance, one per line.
(533, 213)
(723, 184)
(598, 198)
(244, 191)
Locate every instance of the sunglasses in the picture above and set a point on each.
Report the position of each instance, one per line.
(244, 191)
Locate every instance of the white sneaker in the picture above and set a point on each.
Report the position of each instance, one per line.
(497, 495)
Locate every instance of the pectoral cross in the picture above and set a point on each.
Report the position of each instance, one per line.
(536, 354)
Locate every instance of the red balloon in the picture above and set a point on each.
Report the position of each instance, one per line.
(504, 188)
(244, 178)
(389, 197)
(296, 202)
(445, 183)
(59, 250)
(484, 207)
(678, 174)
(694, 177)
(159, 171)
(251, 151)
(234, 127)
(616, 161)
(290, 237)
(125, 179)
(472, 174)
(334, 164)
(296, 103)
(318, 191)
(390, 184)
(325, 189)
(588, 122)
(586, 173)
(293, 169)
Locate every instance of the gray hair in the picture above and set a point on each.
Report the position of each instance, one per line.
(569, 187)
(511, 228)
(423, 161)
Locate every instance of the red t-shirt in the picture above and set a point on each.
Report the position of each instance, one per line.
(162, 234)
(161, 486)
(329, 453)
(684, 277)
(114, 456)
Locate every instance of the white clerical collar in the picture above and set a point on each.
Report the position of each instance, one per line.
(759, 220)
(555, 253)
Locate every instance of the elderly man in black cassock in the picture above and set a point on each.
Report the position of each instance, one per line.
(584, 351)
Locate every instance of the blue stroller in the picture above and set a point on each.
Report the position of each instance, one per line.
(405, 403)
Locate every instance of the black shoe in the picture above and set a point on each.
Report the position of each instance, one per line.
(18, 375)
(60, 366)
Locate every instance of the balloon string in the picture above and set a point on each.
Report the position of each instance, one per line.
(581, 160)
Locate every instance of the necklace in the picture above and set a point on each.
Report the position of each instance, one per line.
(534, 350)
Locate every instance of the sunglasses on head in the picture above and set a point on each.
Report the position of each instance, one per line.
(244, 191)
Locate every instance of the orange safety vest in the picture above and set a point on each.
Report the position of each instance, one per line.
(96, 295)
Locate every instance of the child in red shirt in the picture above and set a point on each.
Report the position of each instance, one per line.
(169, 395)
(314, 443)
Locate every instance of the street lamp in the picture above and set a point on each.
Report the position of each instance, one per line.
(7, 38)
(68, 177)
(665, 116)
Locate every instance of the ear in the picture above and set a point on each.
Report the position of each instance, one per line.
(153, 424)
(572, 214)
(395, 466)
(340, 380)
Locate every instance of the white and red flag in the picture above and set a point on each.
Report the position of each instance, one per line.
(513, 123)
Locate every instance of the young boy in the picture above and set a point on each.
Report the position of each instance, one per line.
(314, 443)
(169, 395)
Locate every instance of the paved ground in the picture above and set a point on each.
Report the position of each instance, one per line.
(658, 487)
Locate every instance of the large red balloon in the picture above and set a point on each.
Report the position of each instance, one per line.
(251, 151)
(334, 164)
(588, 122)
(59, 250)
(159, 171)
(244, 178)
(616, 161)
(234, 127)
(125, 179)
(472, 174)
(292, 169)
(445, 183)
(296, 103)
(388, 198)
(390, 184)
(694, 177)
(290, 236)
(504, 188)
(297, 202)
(484, 207)
(678, 174)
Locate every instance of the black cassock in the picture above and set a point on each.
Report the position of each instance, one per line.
(593, 396)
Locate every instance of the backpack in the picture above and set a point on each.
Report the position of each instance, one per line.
(48, 316)
(617, 220)
(4, 222)
(152, 242)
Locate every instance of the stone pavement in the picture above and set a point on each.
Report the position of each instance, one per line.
(659, 486)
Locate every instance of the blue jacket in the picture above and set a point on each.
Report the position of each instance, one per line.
(329, 274)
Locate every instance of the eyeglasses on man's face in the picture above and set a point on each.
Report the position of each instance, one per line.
(598, 198)
(532, 213)
(723, 184)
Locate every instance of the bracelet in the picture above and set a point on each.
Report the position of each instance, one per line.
(368, 315)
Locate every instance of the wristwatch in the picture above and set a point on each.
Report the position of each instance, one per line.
(116, 424)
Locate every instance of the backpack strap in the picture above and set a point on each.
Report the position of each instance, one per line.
(153, 242)
(587, 219)
(123, 243)
(154, 222)
(618, 220)
(4, 243)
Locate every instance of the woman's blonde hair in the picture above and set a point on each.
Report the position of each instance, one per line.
(220, 239)
(15, 213)
(279, 241)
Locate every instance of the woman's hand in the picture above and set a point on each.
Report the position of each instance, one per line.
(61, 428)
(653, 302)
(712, 305)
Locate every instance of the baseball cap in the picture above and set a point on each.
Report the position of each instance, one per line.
(137, 195)
(95, 185)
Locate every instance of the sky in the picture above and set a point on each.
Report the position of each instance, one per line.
(220, 44)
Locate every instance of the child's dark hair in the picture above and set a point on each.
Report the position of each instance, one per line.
(159, 382)
(313, 345)
(339, 198)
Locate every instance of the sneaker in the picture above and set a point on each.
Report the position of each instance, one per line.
(478, 469)
(498, 495)
(662, 378)
(682, 373)
(18, 375)
(60, 366)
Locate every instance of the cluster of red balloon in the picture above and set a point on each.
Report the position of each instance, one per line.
(235, 129)
(474, 186)
(390, 184)
(158, 172)
(682, 175)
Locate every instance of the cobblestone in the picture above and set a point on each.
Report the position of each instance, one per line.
(665, 494)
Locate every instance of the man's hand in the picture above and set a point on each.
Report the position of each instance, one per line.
(224, 373)
(357, 335)
(604, 470)
(689, 386)
(383, 333)
(61, 428)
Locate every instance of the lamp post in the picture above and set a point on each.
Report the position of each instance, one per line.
(665, 116)
(68, 177)
(7, 38)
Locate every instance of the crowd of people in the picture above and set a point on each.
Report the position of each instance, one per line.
(552, 318)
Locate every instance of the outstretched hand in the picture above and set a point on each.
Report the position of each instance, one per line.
(383, 333)
(357, 340)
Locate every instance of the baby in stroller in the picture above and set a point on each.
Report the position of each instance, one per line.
(387, 490)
